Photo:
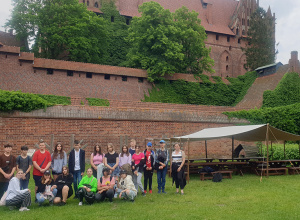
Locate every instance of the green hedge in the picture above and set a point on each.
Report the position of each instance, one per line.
(97, 102)
(287, 92)
(16, 100)
(56, 100)
(286, 118)
(277, 151)
(206, 93)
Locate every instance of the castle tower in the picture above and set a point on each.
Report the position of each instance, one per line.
(294, 63)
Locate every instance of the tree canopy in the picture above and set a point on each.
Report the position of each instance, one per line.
(261, 37)
(165, 42)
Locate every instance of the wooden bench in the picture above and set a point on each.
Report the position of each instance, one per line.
(293, 170)
(209, 176)
(273, 171)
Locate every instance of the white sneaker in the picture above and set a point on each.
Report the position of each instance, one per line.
(22, 209)
(26, 209)
(80, 203)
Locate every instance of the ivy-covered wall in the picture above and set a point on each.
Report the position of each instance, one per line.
(206, 93)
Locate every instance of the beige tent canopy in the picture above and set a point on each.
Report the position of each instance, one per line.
(263, 132)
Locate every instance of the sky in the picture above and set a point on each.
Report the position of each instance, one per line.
(287, 24)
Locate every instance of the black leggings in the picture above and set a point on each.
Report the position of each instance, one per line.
(178, 176)
(148, 176)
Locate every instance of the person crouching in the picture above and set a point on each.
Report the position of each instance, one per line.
(105, 186)
(87, 188)
(128, 189)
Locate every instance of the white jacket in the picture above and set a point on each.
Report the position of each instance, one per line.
(14, 188)
(127, 184)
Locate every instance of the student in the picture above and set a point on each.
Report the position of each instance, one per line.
(59, 159)
(105, 186)
(46, 189)
(111, 161)
(125, 160)
(97, 160)
(87, 188)
(161, 164)
(178, 160)
(63, 184)
(128, 190)
(137, 167)
(77, 165)
(132, 146)
(148, 167)
(17, 197)
(41, 161)
(7, 168)
(24, 162)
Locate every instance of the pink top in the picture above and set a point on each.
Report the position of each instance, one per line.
(137, 158)
(106, 181)
(97, 159)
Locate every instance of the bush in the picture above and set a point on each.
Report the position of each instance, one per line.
(25, 102)
(277, 151)
(286, 118)
(205, 93)
(287, 92)
(97, 102)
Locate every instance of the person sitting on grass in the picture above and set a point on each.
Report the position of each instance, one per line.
(63, 184)
(46, 189)
(105, 186)
(126, 185)
(17, 197)
(87, 188)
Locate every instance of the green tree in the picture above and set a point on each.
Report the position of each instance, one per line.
(24, 20)
(261, 47)
(165, 42)
(67, 30)
(117, 45)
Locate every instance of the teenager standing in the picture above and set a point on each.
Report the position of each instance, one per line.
(177, 168)
(138, 160)
(161, 163)
(77, 164)
(7, 168)
(148, 167)
(24, 162)
(59, 159)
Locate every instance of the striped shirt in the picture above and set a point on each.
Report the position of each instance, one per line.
(177, 158)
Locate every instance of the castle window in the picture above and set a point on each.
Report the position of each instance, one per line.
(107, 76)
(96, 5)
(237, 31)
(227, 58)
(228, 38)
(124, 78)
(83, 1)
(243, 21)
(89, 75)
(204, 5)
(50, 71)
(69, 73)
(127, 21)
(112, 18)
(239, 40)
(227, 67)
(248, 22)
(87, 2)
(230, 47)
(217, 37)
(140, 80)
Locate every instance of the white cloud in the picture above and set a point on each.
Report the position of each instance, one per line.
(4, 12)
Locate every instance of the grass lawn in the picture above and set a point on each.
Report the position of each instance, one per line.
(239, 198)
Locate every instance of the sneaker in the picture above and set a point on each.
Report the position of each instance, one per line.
(182, 194)
(176, 192)
(158, 191)
(62, 203)
(150, 191)
(26, 209)
(22, 209)
(132, 201)
(143, 194)
(80, 203)
(116, 195)
(145, 191)
(164, 192)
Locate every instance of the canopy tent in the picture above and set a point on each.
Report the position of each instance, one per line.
(263, 132)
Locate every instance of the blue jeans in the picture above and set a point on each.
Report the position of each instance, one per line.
(77, 178)
(24, 184)
(40, 199)
(161, 178)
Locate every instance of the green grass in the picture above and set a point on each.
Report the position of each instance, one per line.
(97, 102)
(56, 100)
(243, 197)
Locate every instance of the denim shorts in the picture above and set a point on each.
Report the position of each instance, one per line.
(116, 172)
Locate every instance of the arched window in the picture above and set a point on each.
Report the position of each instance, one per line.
(237, 31)
(87, 2)
(96, 5)
(83, 1)
(227, 58)
(227, 67)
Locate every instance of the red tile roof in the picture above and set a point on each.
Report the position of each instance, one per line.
(88, 67)
(26, 56)
(221, 11)
(10, 49)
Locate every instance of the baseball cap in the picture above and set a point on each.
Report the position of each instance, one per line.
(149, 144)
(162, 141)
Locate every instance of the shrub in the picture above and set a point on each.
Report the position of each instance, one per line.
(56, 100)
(97, 102)
(277, 151)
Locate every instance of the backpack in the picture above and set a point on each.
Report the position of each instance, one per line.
(217, 177)
(206, 169)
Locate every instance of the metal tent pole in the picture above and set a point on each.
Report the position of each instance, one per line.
(267, 150)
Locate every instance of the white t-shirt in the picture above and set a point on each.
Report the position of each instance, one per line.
(77, 160)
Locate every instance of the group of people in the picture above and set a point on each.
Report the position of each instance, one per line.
(111, 175)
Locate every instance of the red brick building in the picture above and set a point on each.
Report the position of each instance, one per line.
(226, 23)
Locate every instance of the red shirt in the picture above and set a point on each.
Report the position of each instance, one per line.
(38, 157)
(148, 158)
(137, 158)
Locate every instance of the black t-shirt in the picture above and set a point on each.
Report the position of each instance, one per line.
(111, 158)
